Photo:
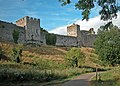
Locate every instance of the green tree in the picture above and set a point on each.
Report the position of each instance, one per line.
(107, 45)
(17, 53)
(74, 57)
(15, 35)
(50, 37)
(109, 8)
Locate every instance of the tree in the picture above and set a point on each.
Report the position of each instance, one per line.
(50, 37)
(74, 56)
(107, 45)
(109, 8)
(17, 53)
(15, 35)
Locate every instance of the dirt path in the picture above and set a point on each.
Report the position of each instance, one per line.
(82, 80)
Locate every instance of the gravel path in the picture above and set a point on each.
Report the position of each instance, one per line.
(82, 80)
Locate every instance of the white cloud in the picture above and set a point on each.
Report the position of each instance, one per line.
(86, 25)
(60, 30)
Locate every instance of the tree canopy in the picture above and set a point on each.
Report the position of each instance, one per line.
(107, 45)
(74, 57)
(15, 35)
(109, 8)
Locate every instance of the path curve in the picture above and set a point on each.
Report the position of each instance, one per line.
(82, 80)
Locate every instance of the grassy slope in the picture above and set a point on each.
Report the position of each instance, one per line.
(46, 58)
(109, 78)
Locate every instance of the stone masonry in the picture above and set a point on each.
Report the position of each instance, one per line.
(77, 37)
(29, 29)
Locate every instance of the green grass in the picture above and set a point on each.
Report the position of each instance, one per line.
(109, 78)
(42, 65)
(19, 73)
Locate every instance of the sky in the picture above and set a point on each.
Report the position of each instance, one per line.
(53, 17)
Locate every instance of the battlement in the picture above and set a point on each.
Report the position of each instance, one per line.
(23, 21)
(73, 30)
(32, 19)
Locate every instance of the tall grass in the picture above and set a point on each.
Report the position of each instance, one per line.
(109, 78)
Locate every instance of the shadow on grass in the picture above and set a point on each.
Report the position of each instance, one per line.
(94, 69)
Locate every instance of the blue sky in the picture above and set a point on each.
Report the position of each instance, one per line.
(50, 12)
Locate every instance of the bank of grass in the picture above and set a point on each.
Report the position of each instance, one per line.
(109, 78)
(18, 73)
(43, 64)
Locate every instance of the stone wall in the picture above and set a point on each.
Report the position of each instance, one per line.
(6, 30)
(42, 38)
(89, 40)
(32, 27)
(62, 40)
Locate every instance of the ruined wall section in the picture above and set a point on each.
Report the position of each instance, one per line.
(87, 39)
(6, 30)
(32, 27)
(43, 39)
(73, 30)
(22, 22)
(68, 41)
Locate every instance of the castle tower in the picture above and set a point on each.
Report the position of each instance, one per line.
(73, 30)
(32, 28)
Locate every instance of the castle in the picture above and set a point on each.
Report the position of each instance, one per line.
(29, 29)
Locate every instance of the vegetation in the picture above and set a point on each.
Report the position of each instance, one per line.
(109, 8)
(15, 35)
(39, 64)
(107, 46)
(50, 37)
(109, 78)
(16, 54)
(74, 57)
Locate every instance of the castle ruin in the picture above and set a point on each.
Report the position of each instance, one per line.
(76, 37)
(29, 29)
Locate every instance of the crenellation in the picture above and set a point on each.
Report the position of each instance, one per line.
(29, 29)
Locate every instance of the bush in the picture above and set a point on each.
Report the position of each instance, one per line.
(17, 54)
(15, 35)
(107, 46)
(74, 57)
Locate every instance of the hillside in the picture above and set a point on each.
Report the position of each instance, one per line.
(50, 53)
(42, 64)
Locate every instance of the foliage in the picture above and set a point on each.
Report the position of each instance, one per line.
(1, 51)
(107, 46)
(109, 78)
(74, 56)
(15, 35)
(50, 37)
(17, 53)
(109, 8)
(14, 73)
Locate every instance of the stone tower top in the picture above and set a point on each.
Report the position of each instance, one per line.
(73, 30)
(32, 28)
(24, 21)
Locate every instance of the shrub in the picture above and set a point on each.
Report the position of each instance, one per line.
(17, 54)
(15, 35)
(74, 57)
